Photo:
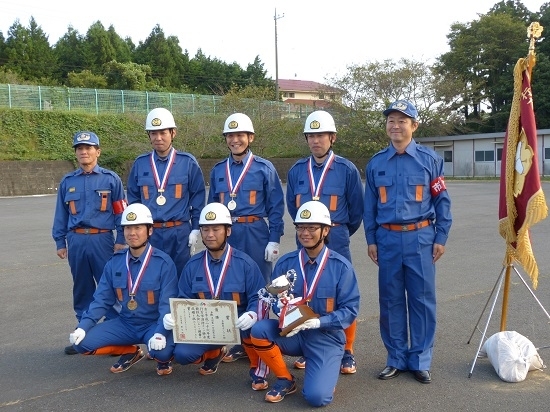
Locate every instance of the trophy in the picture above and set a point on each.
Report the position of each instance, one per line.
(294, 311)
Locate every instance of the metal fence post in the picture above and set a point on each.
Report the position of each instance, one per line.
(122, 99)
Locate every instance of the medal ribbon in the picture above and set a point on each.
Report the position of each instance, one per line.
(316, 190)
(133, 287)
(233, 189)
(162, 185)
(308, 292)
(216, 293)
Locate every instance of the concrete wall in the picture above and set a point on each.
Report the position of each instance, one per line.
(19, 178)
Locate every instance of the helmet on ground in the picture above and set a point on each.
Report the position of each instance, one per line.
(136, 214)
(215, 214)
(319, 121)
(160, 119)
(313, 212)
(238, 122)
(89, 138)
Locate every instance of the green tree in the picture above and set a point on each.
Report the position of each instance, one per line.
(70, 51)
(165, 58)
(99, 49)
(127, 76)
(86, 79)
(29, 53)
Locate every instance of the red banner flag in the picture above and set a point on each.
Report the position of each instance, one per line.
(522, 202)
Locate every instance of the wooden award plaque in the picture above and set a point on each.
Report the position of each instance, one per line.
(296, 316)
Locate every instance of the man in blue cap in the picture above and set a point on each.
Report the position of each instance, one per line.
(90, 202)
(407, 218)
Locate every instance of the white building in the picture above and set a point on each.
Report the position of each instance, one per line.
(479, 155)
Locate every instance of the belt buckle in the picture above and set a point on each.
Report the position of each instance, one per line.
(234, 219)
(405, 228)
(164, 224)
(87, 231)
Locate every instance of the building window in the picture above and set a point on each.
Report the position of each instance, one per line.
(448, 156)
(499, 154)
(485, 156)
(547, 153)
(332, 97)
(291, 95)
(321, 96)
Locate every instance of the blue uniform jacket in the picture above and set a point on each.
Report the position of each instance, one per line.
(185, 192)
(336, 298)
(397, 190)
(243, 280)
(260, 193)
(159, 283)
(342, 191)
(88, 201)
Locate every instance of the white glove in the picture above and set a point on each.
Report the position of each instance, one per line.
(194, 237)
(313, 323)
(168, 321)
(247, 320)
(76, 337)
(271, 252)
(157, 342)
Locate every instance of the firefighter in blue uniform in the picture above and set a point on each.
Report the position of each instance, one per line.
(407, 219)
(336, 182)
(171, 184)
(326, 282)
(90, 201)
(222, 272)
(141, 280)
(251, 189)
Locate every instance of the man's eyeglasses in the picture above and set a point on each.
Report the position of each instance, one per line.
(310, 229)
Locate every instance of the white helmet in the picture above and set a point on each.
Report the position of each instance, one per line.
(238, 122)
(136, 214)
(160, 119)
(313, 212)
(319, 122)
(215, 214)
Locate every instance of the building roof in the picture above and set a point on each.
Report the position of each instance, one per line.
(305, 86)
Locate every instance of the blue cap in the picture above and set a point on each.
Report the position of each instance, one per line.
(89, 138)
(403, 106)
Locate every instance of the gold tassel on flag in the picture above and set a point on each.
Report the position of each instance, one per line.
(522, 203)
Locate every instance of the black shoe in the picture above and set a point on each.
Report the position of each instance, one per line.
(389, 372)
(422, 376)
(70, 350)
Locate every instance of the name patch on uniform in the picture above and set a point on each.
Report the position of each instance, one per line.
(437, 186)
(72, 189)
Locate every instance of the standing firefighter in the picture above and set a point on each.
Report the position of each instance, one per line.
(170, 183)
(90, 201)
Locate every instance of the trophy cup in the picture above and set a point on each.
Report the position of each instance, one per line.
(294, 311)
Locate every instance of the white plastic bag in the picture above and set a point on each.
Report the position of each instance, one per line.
(512, 355)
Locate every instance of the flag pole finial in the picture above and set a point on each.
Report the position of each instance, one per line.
(534, 31)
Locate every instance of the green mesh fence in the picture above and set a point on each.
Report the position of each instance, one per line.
(128, 101)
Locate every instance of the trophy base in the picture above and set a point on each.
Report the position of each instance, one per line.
(296, 316)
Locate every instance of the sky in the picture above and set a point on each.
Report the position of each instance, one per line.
(316, 40)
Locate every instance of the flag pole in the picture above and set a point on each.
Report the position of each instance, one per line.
(534, 31)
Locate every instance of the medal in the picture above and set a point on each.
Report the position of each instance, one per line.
(232, 205)
(132, 304)
(161, 185)
(161, 200)
(315, 198)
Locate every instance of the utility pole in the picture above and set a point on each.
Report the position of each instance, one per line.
(276, 17)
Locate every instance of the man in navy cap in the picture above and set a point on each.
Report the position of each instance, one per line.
(407, 218)
(90, 202)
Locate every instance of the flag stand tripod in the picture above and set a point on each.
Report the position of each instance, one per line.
(504, 274)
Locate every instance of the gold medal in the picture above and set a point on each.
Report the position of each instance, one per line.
(161, 200)
(232, 205)
(132, 304)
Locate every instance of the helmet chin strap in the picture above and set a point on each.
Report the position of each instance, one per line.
(321, 238)
(242, 153)
(222, 247)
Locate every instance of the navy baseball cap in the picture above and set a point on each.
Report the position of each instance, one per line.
(88, 138)
(403, 106)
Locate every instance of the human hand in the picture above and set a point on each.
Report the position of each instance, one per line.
(62, 253)
(246, 320)
(157, 342)
(76, 337)
(372, 251)
(313, 323)
(168, 321)
(438, 251)
(271, 252)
